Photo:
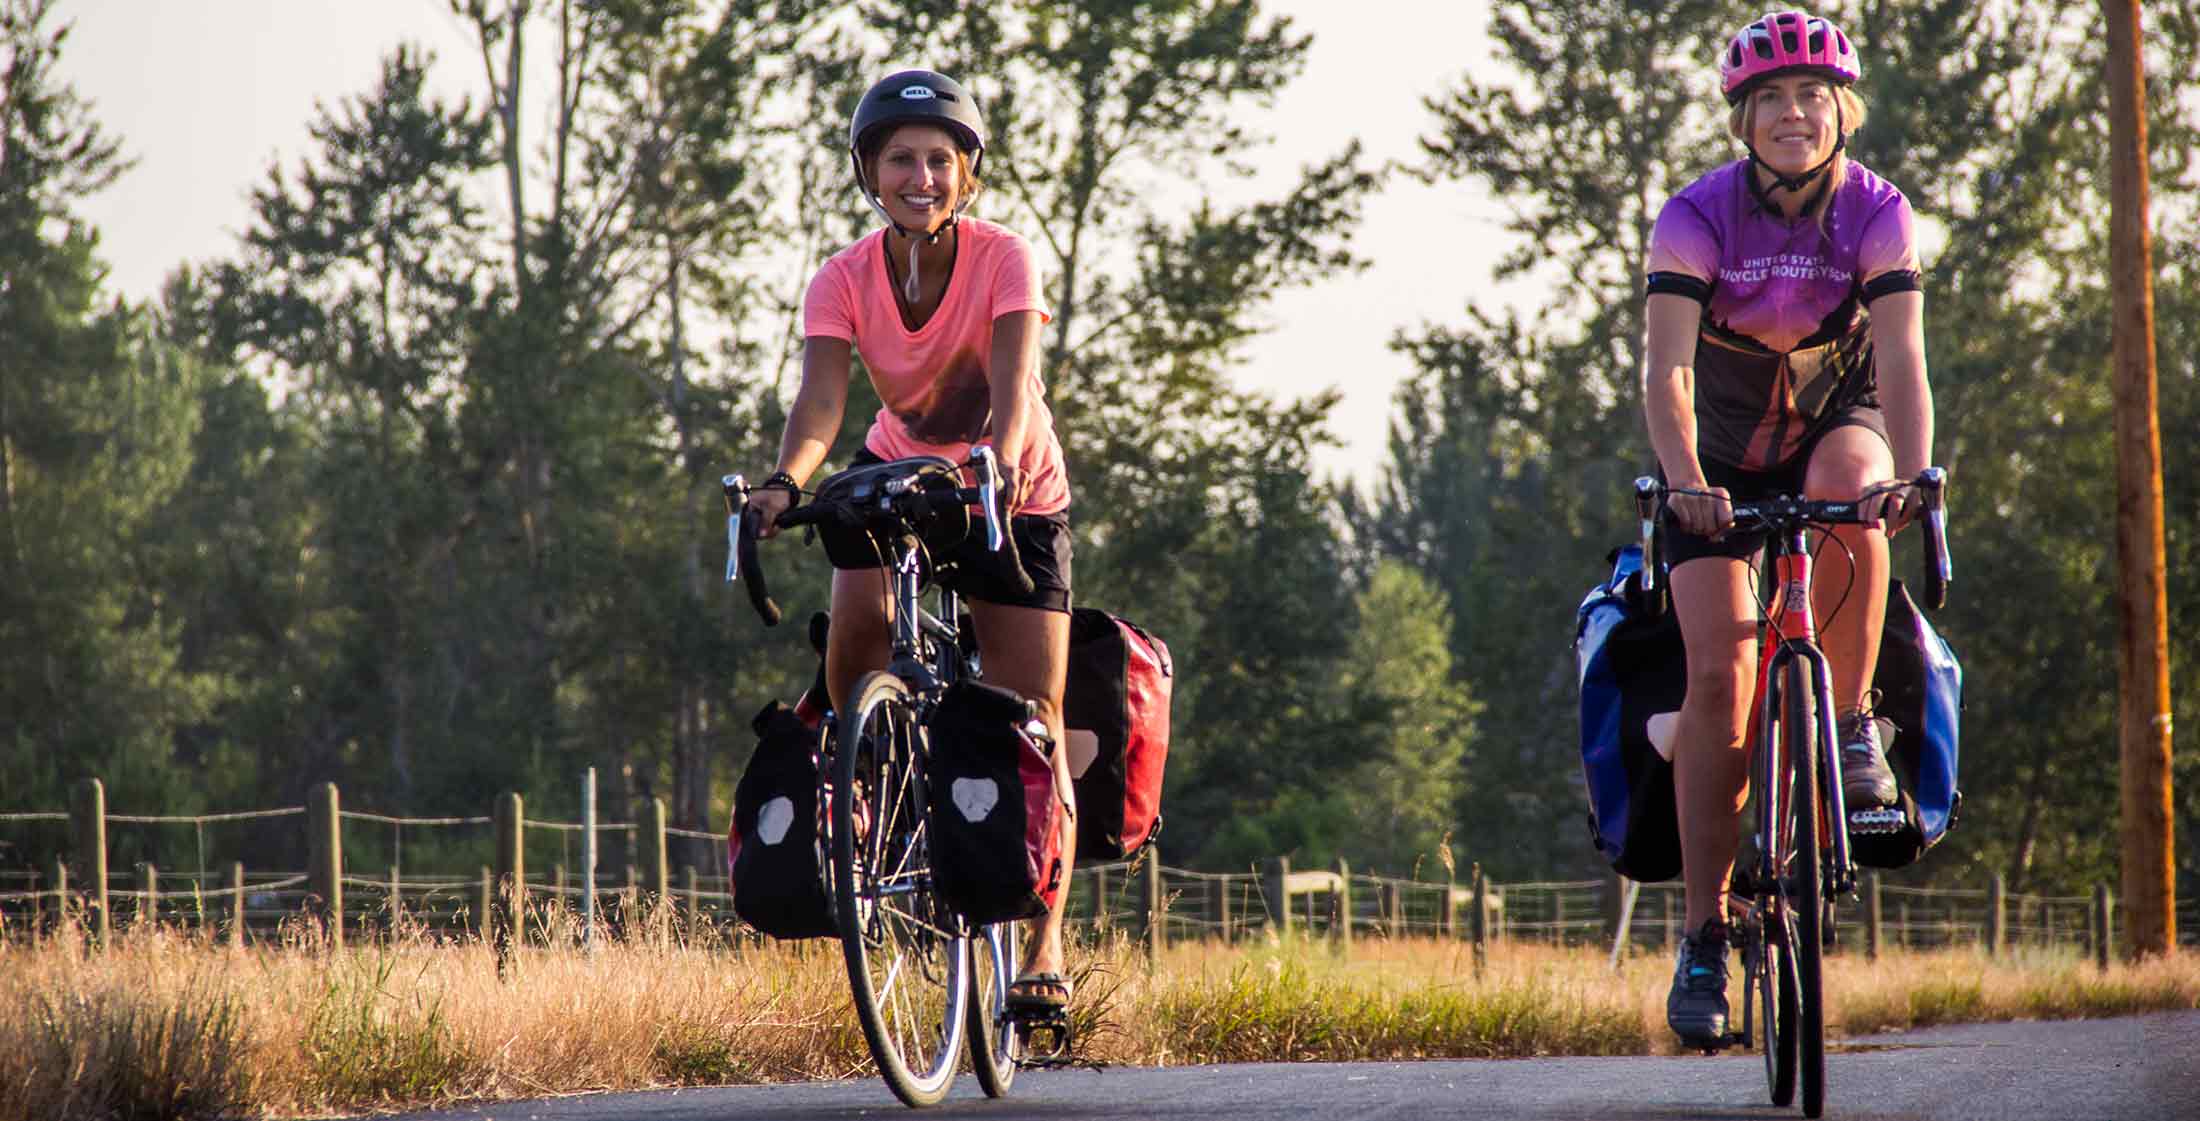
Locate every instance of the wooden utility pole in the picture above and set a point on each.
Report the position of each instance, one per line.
(2143, 716)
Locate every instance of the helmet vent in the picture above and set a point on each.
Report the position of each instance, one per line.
(1844, 41)
(1818, 40)
(1761, 43)
(1787, 40)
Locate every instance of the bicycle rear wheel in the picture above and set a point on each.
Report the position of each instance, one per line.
(908, 958)
(1806, 918)
(994, 1046)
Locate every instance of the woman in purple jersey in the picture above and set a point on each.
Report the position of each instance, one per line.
(1786, 352)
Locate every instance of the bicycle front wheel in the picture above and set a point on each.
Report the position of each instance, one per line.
(908, 959)
(1806, 919)
(994, 1046)
(1773, 974)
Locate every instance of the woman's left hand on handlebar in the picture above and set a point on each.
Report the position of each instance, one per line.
(767, 503)
(1894, 508)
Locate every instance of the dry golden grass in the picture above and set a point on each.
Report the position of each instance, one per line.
(165, 1025)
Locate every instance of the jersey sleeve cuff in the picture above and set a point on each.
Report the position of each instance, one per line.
(1679, 284)
(1890, 282)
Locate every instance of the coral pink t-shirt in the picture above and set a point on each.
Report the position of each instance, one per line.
(933, 382)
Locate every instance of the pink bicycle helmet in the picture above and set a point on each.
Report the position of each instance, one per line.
(1783, 42)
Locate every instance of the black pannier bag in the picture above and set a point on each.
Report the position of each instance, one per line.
(776, 845)
(1115, 713)
(994, 812)
(1920, 686)
(1631, 667)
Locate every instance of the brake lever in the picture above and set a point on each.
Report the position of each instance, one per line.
(989, 492)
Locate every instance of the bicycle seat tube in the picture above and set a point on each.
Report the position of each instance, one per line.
(907, 661)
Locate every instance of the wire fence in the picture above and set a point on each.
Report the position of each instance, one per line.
(451, 886)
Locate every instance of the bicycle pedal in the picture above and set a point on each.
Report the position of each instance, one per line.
(1886, 819)
(1046, 1038)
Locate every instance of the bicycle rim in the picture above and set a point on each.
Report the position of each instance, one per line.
(907, 957)
(1807, 918)
(994, 1048)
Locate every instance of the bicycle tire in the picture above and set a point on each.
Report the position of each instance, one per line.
(1776, 997)
(1774, 929)
(995, 1048)
(1799, 711)
(907, 955)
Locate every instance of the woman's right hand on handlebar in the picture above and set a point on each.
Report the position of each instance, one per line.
(768, 503)
(1706, 513)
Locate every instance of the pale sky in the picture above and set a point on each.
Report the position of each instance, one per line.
(207, 94)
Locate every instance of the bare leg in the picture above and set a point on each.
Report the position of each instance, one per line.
(1027, 649)
(1710, 766)
(859, 641)
(1845, 462)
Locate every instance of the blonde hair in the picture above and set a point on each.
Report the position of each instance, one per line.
(1741, 123)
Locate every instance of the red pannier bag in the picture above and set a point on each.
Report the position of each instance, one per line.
(1115, 710)
(995, 812)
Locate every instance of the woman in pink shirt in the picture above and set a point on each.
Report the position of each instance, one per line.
(946, 312)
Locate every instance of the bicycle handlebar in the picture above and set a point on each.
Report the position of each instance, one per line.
(1788, 511)
(741, 550)
(741, 536)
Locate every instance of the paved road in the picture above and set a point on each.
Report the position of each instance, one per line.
(2145, 1067)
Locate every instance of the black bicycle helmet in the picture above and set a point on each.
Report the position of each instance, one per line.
(915, 97)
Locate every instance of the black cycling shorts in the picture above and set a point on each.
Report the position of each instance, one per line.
(1748, 486)
(974, 572)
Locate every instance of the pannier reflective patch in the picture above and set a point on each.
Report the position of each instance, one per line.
(1084, 747)
(773, 819)
(975, 797)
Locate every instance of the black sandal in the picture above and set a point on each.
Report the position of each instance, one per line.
(1038, 992)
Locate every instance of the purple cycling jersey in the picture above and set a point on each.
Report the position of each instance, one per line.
(1784, 347)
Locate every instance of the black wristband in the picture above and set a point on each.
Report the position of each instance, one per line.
(783, 481)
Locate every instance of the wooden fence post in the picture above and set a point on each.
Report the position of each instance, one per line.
(485, 906)
(90, 813)
(236, 904)
(1479, 923)
(1279, 903)
(511, 895)
(1157, 906)
(1874, 918)
(658, 875)
(148, 901)
(1613, 903)
(1449, 927)
(691, 907)
(59, 920)
(325, 858)
(1218, 906)
(2104, 926)
(1341, 930)
(1997, 930)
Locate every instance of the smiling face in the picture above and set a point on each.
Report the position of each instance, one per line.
(1792, 123)
(920, 176)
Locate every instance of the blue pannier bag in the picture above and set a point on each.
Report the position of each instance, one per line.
(1631, 666)
(1920, 686)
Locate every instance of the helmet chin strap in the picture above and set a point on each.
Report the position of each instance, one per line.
(1794, 184)
(909, 285)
